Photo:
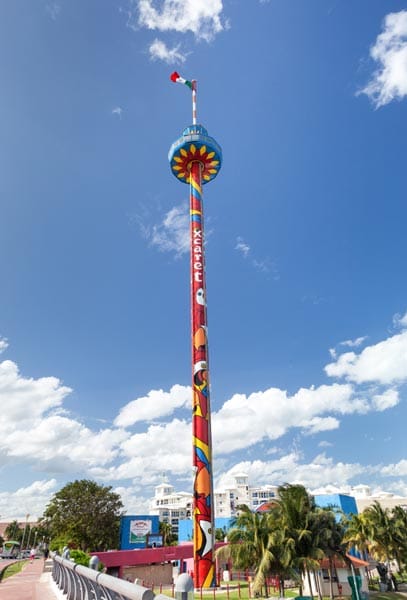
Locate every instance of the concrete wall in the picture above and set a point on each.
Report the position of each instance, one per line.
(149, 574)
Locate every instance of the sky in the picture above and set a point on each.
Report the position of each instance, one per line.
(305, 244)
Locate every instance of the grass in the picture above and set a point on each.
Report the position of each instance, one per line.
(289, 593)
(230, 591)
(13, 569)
(387, 596)
(244, 595)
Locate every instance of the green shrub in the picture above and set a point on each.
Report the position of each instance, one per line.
(80, 557)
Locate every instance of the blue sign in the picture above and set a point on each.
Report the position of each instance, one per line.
(135, 530)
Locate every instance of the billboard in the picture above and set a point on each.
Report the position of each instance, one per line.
(154, 541)
(136, 529)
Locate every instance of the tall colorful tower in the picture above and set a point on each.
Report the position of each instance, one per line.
(196, 158)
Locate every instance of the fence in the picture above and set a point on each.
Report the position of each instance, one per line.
(238, 588)
(80, 583)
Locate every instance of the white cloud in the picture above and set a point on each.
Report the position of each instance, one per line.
(325, 444)
(133, 501)
(318, 424)
(384, 362)
(400, 320)
(353, 343)
(388, 399)
(59, 444)
(172, 234)
(3, 345)
(242, 247)
(117, 110)
(389, 81)
(396, 470)
(165, 447)
(271, 413)
(319, 471)
(53, 9)
(200, 17)
(23, 399)
(35, 430)
(159, 51)
(264, 265)
(156, 404)
(30, 500)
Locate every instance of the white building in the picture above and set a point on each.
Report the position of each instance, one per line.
(239, 492)
(171, 506)
(364, 497)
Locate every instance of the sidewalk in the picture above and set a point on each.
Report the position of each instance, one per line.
(32, 583)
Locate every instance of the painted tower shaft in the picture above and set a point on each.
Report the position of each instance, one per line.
(203, 524)
(195, 159)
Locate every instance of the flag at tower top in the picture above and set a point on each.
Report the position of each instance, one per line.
(176, 78)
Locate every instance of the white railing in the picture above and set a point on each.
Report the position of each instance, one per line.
(81, 583)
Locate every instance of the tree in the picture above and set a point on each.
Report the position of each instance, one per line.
(297, 509)
(399, 524)
(358, 532)
(13, 531)
(220, 533)
(257, 541)
(330, 533)
(380, 532)
(86, 515)
(165, 530)
(248, 544)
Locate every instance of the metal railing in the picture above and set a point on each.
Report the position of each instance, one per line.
(81, 583)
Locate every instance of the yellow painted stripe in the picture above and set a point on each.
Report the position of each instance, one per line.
(183, 152)
(210, 155)
(196, 186)
(178, 159)
(176, 168)
(181, 175)
(202, 150)
(204, 447)
(209, 578)
(206, 177)
(192, 148)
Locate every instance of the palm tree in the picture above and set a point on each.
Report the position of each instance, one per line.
(330, 533)
(13, 531)
(165, 530)
(358, 532)
(381, 532)
(250, 541)
(399, 524)
(297, 509)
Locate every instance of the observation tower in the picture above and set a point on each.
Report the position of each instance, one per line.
(195, 159)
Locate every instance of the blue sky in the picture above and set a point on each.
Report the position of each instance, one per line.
(306, 244)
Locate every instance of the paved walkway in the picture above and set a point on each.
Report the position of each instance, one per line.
(31, 583)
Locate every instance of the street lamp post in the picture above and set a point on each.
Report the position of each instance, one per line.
(25, 530)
